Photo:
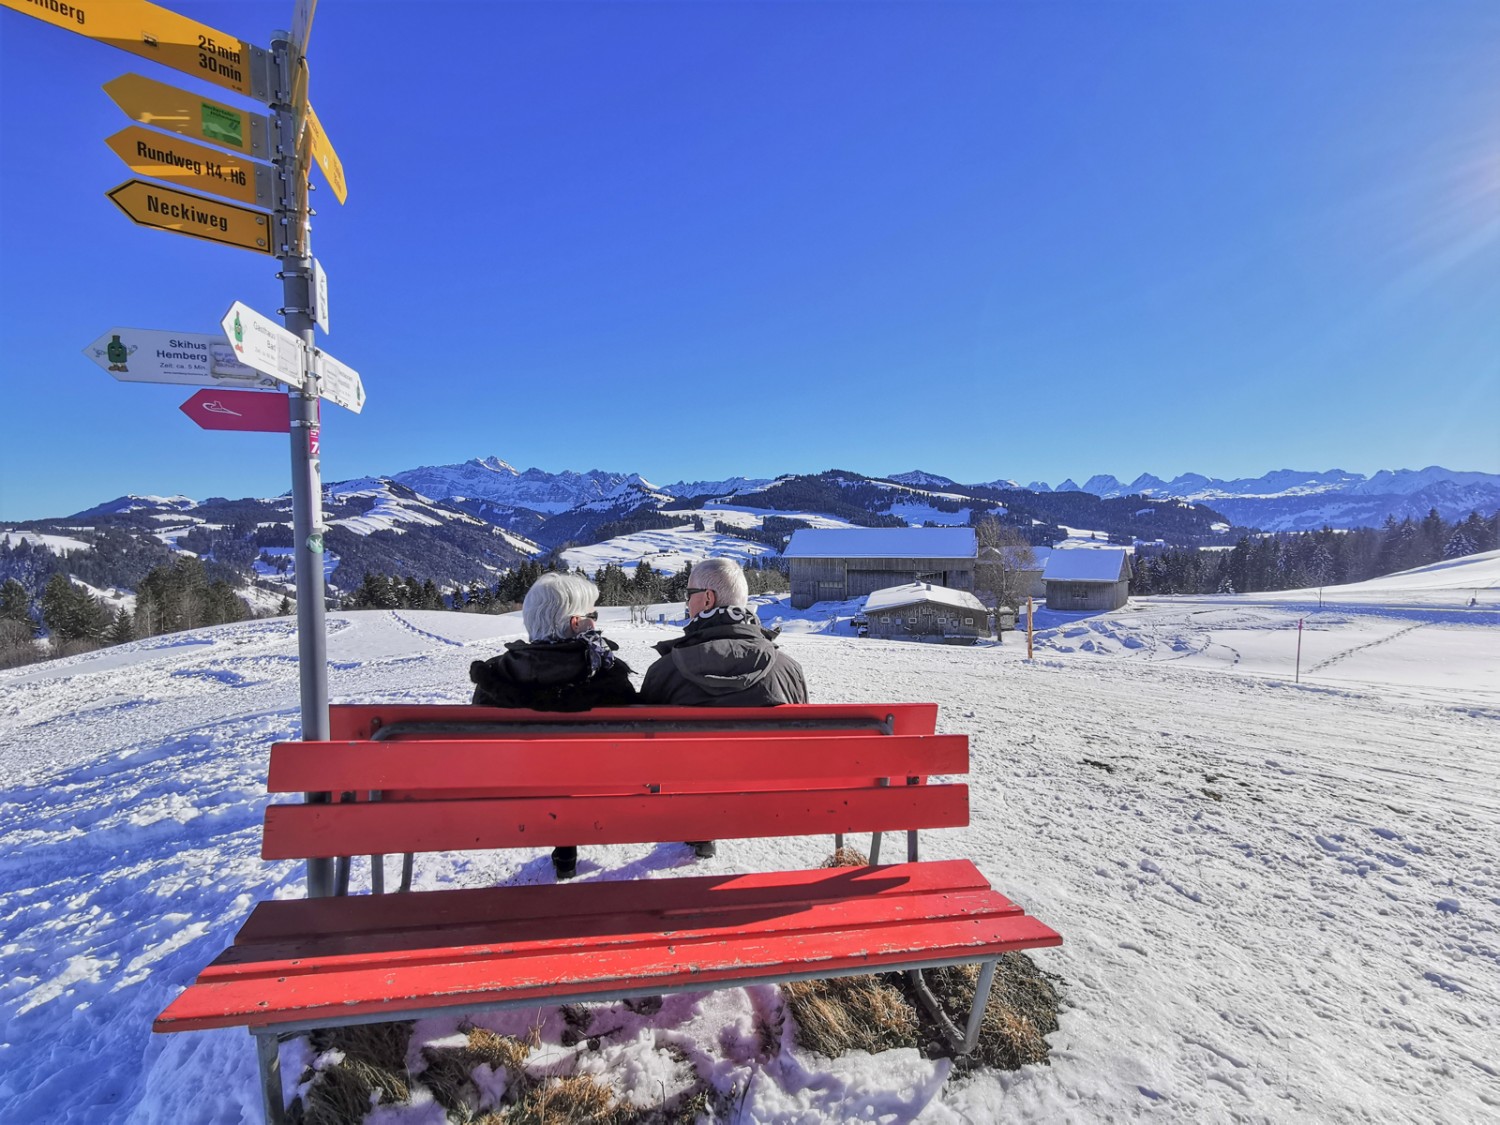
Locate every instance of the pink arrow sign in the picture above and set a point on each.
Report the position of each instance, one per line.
(239, 410)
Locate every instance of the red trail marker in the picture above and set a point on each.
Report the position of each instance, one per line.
(239, 410)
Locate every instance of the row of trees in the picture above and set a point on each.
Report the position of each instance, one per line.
(1300, 560)
(617, 586)
(169, 598)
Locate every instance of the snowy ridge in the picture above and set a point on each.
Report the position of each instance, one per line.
(494, 480)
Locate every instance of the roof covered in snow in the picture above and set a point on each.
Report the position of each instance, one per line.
(911, 593)
(1088, 564)
(882, 543)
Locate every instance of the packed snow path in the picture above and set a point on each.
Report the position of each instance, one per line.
(1279, 902)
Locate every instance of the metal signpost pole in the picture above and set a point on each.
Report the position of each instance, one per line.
(307, 487)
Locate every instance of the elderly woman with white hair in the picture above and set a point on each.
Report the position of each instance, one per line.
(565, 665)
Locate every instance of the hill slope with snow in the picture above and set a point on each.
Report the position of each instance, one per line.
(1280, 902)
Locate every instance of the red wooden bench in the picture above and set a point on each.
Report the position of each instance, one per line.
(511, 779)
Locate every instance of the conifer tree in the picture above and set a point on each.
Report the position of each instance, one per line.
(122, 628)
(15, 604)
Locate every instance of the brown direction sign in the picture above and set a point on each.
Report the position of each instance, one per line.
(190, 115)
(183, 164)
(162, 36)
(169, 209)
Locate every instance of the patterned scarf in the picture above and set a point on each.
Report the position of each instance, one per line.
(597, 649)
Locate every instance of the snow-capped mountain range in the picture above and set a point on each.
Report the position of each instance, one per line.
(470, 521)
(1287, 499)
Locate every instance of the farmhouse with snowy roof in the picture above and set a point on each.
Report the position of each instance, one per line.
(1088, 578)
(834, 564)
(922, 610)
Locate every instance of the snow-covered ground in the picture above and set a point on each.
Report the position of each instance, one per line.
(1280, 902)
(54, 543)
(665, 550)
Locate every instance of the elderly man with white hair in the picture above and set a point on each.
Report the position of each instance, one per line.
(565, 665)
(725, 657)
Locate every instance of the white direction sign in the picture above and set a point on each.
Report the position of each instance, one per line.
(320, 295)
(341, 384)
(264, 345)
(196, 359)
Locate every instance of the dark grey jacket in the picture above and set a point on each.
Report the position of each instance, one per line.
(724, 658)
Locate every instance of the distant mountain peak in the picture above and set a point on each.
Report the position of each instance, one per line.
(919, 478)
(494, 464)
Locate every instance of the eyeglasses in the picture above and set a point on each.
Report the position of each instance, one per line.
(592, 615)
(691, 590)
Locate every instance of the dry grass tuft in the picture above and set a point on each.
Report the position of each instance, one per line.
(880, 1013)
(847, 857)
(448, 1069)
(845, 1014)
(1020, 1013)
(557, 1101)
(374, 1062)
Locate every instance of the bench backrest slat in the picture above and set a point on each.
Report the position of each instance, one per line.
(696, 761)
(355, 828)
(365, 720)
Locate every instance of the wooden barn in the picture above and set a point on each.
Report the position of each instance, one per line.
(922, 611)
(835, 564)
(1088, 579)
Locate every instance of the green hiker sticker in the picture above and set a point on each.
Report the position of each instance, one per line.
(223, 125)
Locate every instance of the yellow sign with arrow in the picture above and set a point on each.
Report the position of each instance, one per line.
(162, 36)
(191, 115)
(151, 205)
(184, 164)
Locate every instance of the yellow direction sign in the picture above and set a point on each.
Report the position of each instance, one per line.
(178, 111)
(327, 159)
(188, 165)
(162, 36)
(195, 215)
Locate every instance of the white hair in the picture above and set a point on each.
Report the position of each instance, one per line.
(553, 601)
(725, 578)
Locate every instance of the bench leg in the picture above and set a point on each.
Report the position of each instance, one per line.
(406, 865)
(874, 849)
(377, 874)
(961, 1043)
(268, 1052)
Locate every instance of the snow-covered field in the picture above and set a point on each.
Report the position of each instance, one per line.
(665, 550)
(54, 543)
(1280, 902)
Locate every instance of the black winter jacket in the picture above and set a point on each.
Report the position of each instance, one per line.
(554, 676)
(724, 658)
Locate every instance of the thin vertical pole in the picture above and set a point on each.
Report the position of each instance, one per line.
(268, 1054)
(1298, 680)
(307, 485)
(1028, 627)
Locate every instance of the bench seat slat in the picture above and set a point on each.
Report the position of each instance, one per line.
(307, 830)
(311, 767)
(634, 929)
(282, 919)
(358, 720)
(579, 969)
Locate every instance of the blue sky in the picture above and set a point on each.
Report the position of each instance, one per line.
(695, 240)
